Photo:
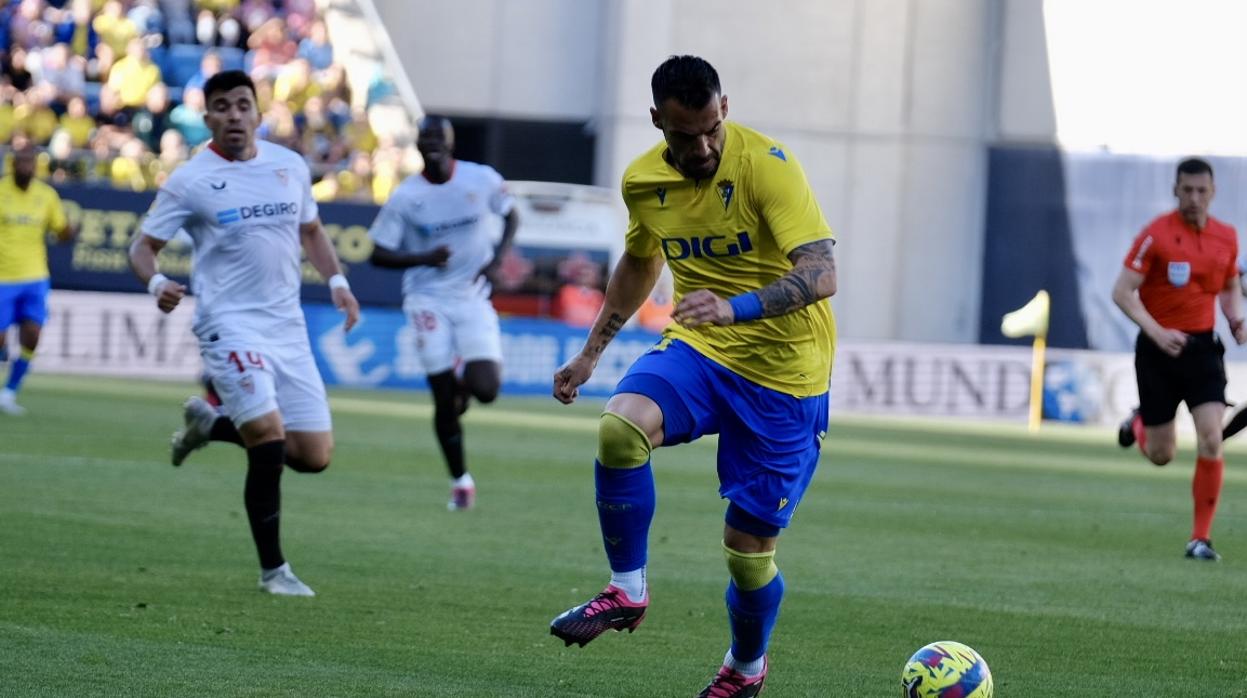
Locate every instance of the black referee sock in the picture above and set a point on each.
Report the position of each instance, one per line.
(223, 429)
(262, 495)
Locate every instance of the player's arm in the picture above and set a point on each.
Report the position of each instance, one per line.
(143, 252)
(630, 284)
(811, 279)
(319, 250)
(1126, 296)
(1231, 299)
(510, 224)
(59, 224)
(387, 233)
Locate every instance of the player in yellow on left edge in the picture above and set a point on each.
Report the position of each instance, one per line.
(29, 210)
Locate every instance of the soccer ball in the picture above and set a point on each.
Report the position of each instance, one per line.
(946, 669)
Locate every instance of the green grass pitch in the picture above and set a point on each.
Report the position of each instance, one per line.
(1058, 557)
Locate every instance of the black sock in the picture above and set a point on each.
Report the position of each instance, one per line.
(446, 387)
(262, 495)
(223, 429)
(1237, 422)
(450, 437)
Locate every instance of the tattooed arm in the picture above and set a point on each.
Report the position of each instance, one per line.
(811, 279)
(629, 285)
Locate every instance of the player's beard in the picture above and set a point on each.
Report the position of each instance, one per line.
(701, 170)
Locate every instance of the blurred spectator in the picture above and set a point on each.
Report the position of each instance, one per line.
(217, 27)
(146, 17)
(61, 22)
(14, 69)
(386, 175)
(133, 76)
(178, 21)
(127, 170)
(113, 27)
(7, 118)
(580, 299)
(149, 123)
(101, 63)
(278, 126)
(110, 111)
(315, 48)
(77, 124)
(188, 117)
(355, 183)
(253, 13)
(655, 312)
(63, 165)
(34, 117)
(173, 152)
(61, 75)
(270, 48)
(358, 133)
(209, 65)
(320, 142)
(293, 84)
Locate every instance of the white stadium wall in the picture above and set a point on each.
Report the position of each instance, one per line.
(889, 104)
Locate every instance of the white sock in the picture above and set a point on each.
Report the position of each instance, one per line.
(632, 583)
(750, 669)
(463, 481)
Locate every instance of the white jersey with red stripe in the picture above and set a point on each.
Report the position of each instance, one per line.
(421, 216)
(243, 217)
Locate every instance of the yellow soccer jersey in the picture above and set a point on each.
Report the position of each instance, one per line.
(25, 219)
(730, 235)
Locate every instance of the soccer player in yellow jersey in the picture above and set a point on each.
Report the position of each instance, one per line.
(29, 209)
(748, 356)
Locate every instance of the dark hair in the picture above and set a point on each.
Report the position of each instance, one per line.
(1193, 166)
(227, 80)
(689, 80)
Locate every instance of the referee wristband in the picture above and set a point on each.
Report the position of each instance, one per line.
(153, 286)
(339, 281)
(746, 307)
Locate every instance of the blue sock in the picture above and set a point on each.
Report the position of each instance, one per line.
(18, 372)
(626, 499)
(752, 614)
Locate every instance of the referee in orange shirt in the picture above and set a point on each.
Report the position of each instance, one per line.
(1176, 268)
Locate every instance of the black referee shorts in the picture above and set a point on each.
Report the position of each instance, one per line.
(1195, 376)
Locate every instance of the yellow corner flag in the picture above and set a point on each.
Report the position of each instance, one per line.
(1032, 319)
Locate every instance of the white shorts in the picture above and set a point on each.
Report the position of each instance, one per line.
(448, 330)
(255, 380)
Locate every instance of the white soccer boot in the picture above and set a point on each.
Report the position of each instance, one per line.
(282, 582)
(8, 404)
(199, 417)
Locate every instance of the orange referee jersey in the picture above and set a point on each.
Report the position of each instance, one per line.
(1183, 270)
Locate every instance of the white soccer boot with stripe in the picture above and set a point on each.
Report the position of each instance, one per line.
(199, 417)
(282, 582)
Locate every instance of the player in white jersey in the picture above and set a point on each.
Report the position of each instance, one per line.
(439, 226)
(248, 209)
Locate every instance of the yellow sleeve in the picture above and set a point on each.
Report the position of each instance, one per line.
(56, 213)
(784, 198)
(639, 242)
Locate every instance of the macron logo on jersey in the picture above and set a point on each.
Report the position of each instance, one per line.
(233, 215)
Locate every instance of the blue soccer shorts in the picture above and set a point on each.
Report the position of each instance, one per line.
(768, 441)
(26, 301)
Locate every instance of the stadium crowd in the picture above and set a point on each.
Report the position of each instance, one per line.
(112, 89)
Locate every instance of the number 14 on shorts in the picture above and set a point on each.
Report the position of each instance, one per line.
(245, 359)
